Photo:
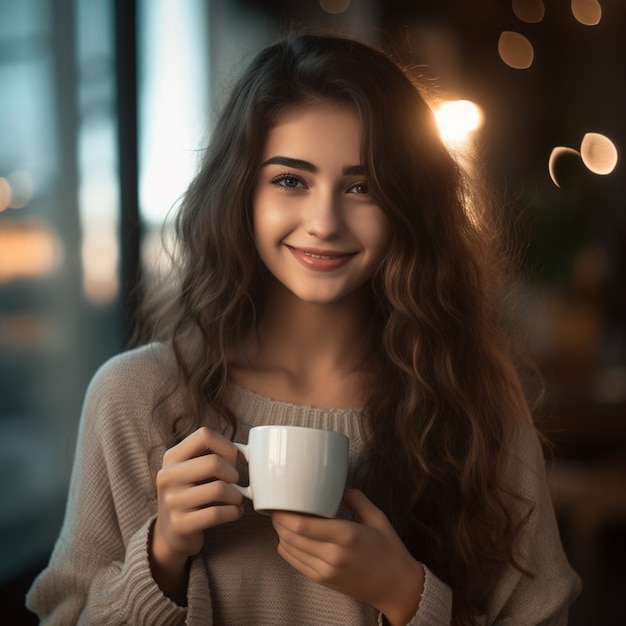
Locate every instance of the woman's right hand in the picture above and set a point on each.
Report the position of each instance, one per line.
(194, 493)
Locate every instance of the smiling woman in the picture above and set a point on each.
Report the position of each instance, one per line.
(330, 276)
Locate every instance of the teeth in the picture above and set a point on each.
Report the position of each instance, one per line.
(318, 256)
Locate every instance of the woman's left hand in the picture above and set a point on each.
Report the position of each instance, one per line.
(365, 560)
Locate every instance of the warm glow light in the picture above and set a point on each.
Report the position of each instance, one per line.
(599, 153)
(28, 250)
(100, 253)
(457, 120)
(335, 6)
(587, 12)
(515, 50)
(531, 11)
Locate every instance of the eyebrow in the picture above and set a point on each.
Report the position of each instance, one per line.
(305, 166)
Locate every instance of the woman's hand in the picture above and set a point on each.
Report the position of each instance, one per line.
(365, 560)
(194, 493)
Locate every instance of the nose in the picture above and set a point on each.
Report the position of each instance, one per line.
(324, 216)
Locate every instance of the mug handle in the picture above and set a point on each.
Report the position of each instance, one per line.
(244, 491)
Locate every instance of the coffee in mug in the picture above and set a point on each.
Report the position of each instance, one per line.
(295, 468)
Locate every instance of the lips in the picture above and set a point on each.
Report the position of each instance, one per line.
(321, 260)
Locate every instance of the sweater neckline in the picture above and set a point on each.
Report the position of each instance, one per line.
(257, 398)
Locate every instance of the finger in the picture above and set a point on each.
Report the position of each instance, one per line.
(304, 563)
(200, 496)
(317, 529)
(201, 519)
(366, 511)
(204, 468)
(172, 479)
(198, 443)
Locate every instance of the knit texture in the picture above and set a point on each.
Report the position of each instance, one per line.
(99, 571)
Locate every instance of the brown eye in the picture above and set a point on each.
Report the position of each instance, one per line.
(360, 188)
(288, 181)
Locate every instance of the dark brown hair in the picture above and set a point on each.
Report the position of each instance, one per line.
(445, 410)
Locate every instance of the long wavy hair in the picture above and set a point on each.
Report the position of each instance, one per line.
(444, 413)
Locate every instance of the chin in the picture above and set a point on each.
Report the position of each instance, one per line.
(327, 299)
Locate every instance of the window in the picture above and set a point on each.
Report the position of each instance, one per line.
(59, 254)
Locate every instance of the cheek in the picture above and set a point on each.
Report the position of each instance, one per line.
(271, 223)
(377, 234)
(267, 224)
(262, 216)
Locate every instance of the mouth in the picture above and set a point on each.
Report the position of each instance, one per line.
(321, 260)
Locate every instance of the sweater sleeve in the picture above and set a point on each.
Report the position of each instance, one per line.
(99, 571)
(539, 599)
(436, 603)
(543, 595)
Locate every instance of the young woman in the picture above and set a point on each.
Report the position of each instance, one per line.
(336, 271)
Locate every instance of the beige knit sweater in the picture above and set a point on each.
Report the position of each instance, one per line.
(99, 571)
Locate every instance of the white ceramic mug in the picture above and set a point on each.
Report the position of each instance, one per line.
(293, 468)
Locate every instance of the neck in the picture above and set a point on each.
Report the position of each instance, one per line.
(304, 333)
(308, 346)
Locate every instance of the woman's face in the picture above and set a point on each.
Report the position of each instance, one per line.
(317, 229)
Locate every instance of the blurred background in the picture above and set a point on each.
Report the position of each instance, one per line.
(103, 107)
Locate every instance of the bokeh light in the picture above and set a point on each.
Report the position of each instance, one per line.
(598, 153)
(28, 250)
(587, 12)
(530, 11)
(557, 157)
(5, 194)
(515, 50)
(335, 6)
(100, 256)
(457, 120)
(22, 187)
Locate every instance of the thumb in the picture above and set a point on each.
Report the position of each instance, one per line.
(365, 510)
